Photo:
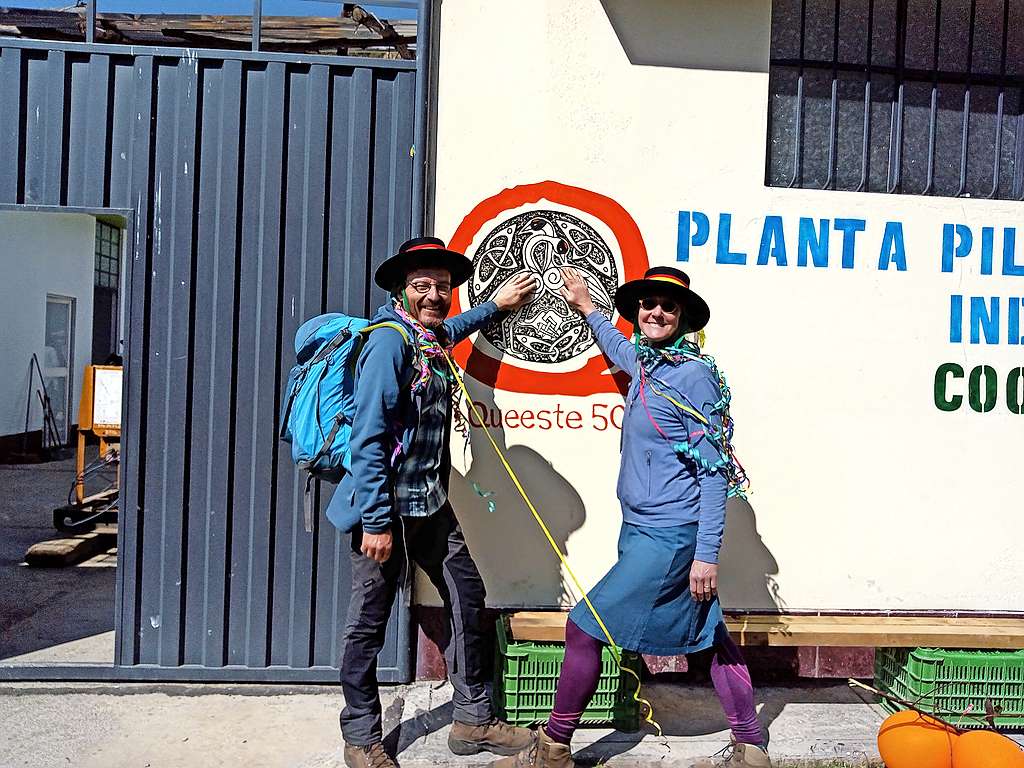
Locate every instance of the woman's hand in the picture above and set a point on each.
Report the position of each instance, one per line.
(703, 580)
(516, 292)
(575, 291)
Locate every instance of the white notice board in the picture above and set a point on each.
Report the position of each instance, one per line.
(106, 403)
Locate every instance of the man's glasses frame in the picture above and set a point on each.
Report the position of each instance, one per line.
(423, 287)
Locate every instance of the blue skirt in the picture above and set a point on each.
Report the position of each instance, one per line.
(645, 600)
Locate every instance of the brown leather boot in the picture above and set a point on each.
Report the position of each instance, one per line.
(736, 756)
(372, 756)
(496, 736)
(542, 753)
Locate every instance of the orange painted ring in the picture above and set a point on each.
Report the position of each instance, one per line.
(593, 376)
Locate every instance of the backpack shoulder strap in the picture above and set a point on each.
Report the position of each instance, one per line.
(388, 324)
(364, 334)
(407, 338)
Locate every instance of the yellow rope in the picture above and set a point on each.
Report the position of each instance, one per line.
(649, 708)
(695, 413)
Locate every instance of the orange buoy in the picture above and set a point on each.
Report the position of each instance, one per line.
(986, 749)
(912, 740)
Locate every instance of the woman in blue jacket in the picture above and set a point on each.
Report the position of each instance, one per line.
(661, 596)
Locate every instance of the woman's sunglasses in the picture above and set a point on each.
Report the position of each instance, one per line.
(667, 305)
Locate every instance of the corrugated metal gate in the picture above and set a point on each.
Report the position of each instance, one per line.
(264, 190)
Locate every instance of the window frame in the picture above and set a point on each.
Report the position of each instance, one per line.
(901, 75)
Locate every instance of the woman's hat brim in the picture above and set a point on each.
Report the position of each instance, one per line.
(393, 271)
(695, 310)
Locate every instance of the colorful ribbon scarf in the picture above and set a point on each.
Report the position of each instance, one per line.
(429, 349)
(680, 353)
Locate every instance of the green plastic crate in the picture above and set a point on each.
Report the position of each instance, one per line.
(950, 683)
(526, 673)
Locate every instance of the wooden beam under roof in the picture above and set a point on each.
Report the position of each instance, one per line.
(357, 31)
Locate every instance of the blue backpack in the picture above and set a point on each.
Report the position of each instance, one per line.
(318, 403)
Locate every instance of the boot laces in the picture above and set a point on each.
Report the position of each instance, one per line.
(530, 753)
(501, 726)
(726, 753)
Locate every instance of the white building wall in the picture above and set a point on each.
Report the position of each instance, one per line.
(865, 495)
(40, 254)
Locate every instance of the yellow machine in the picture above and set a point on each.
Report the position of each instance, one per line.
(99, 416)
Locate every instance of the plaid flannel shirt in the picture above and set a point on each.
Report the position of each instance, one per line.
(419, 491)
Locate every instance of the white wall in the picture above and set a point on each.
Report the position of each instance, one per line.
(865, 495)
(41, 253)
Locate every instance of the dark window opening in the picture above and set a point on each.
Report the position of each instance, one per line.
(106, 288)
(898, 96)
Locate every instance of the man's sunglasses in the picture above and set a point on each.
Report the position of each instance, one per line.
(667, 305)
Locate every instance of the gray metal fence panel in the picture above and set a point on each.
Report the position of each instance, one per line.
(265, 190)
(210, 454)
(10, 121)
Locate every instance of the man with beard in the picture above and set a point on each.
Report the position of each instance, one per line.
(395, 500)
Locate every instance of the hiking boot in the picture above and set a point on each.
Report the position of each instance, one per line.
(372, 756)
(736, 756)
(542, 752)
(496, 736)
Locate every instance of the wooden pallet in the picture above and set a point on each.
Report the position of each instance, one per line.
(790, 630)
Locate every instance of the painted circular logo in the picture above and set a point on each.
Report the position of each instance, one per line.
(540, 242)
(543, 348)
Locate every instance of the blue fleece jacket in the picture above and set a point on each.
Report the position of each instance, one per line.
(386, 415)
(658, 487)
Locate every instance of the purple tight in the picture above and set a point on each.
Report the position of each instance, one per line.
(731, 679)
(577, 683)
(581, 670)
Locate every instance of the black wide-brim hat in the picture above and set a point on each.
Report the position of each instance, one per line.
(663, 281)
(422, 253)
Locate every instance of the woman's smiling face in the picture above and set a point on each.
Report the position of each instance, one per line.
(659, 318)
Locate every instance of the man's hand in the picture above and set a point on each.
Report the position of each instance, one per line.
(703, 580)
(516, 292)
(376, 546)
(575, 291)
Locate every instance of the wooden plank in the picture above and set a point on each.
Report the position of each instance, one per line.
(303, 31)
(880, 639)
(833, 631)
(56, 553)
(881, 631)
(979, 621)
(100, 498)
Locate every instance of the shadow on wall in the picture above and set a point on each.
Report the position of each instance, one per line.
(701, 34)
(514, 557)
(747, 568)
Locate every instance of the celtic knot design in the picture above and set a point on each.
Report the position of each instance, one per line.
(547, 330)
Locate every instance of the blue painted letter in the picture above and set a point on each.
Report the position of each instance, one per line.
(893, 249)
(988, 236)
(685, 239)
(849, 228)
(813, 242)
(956, 318)
(962, 249)
(773, 242)
(1010, 265)
(1013, 322)
(724, 255)
(984, 320)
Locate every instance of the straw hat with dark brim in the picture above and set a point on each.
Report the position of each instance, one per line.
(422, 253)
(663, 281)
